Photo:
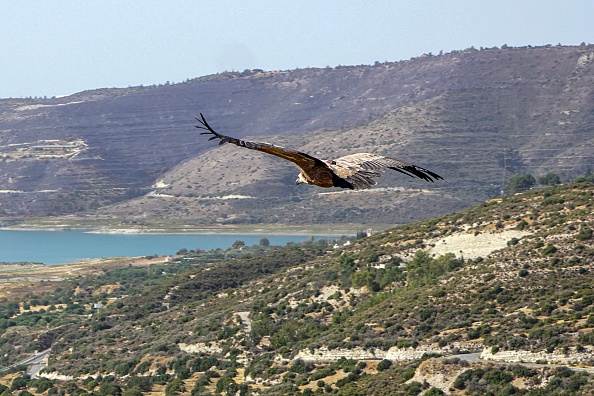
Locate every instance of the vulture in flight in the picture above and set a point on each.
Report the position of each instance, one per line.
(354, 171)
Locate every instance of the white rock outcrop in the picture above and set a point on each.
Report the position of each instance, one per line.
(323, 354)
(55, 376)
(200, 347)
(474, 245)
(571, 358)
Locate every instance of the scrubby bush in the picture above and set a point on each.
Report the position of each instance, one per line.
(384, 365)
(585, 233)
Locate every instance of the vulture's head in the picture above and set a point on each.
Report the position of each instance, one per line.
(301, 179)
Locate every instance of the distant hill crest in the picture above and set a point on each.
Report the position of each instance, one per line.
(476, 117)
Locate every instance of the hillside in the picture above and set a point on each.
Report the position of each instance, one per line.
(475, 117)
(509, 280)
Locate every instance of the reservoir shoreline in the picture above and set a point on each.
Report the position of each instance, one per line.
(68, 246)
(314, 230)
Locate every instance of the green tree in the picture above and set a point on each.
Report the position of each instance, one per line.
(588, 177)
(43, 384)
(262, 325)
(584, 234)
(264, 242)
(132, 392)
(111, 389)
(550, 179)
(361, 278)
(346, 261)
(142, 383)
(19, 383)
(424, 270)
(238, 244)
(384, 365)
(175, 387)
(227, 385)
(519, 183)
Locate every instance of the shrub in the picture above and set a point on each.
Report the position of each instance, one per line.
(384, 365)
(587, 338)
(132, 392)
(143, 384)
(520, 183)
(109, 388)
(550, 179)
(549, 249)
(19, 383)
(300, 367)
(43, 384)
(522, 225)
(175, 387)
(584, 234)
(424, 270)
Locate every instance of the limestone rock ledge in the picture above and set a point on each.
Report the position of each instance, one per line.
(323, 354)
(55, 376)
(558, 356)
(200, 347)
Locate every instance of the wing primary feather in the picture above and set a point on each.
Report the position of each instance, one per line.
(421, 173)
(354, 171)
(435, 175)
(306, 162)
(403, 172)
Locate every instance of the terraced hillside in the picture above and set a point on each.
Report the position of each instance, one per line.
(476, 117)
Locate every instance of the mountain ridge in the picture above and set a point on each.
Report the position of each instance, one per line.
(503, 111)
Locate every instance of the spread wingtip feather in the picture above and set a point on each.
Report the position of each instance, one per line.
(356, 172)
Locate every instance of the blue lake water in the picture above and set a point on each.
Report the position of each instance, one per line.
(65, 247)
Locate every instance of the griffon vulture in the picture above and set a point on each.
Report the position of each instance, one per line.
(354, 171)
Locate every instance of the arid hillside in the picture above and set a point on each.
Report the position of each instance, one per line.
(474, 117)
(495, 299)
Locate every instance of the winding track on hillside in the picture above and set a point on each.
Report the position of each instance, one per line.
(36, 362)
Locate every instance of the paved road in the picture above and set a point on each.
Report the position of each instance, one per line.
(35, 369)
(245, 319)
(37, 362)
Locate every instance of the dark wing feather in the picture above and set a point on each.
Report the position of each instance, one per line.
(361, 167)
(306, 162)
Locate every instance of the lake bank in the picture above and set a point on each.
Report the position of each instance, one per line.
(67, 246)
(277, 229)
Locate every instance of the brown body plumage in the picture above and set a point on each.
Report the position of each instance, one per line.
(354, 171)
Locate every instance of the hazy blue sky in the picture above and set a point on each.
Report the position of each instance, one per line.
(61, 47)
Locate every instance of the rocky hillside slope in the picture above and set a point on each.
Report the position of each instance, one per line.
(476, 117)
(508, 280)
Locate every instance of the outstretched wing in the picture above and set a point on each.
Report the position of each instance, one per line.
(360, 169)
(306, 162)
